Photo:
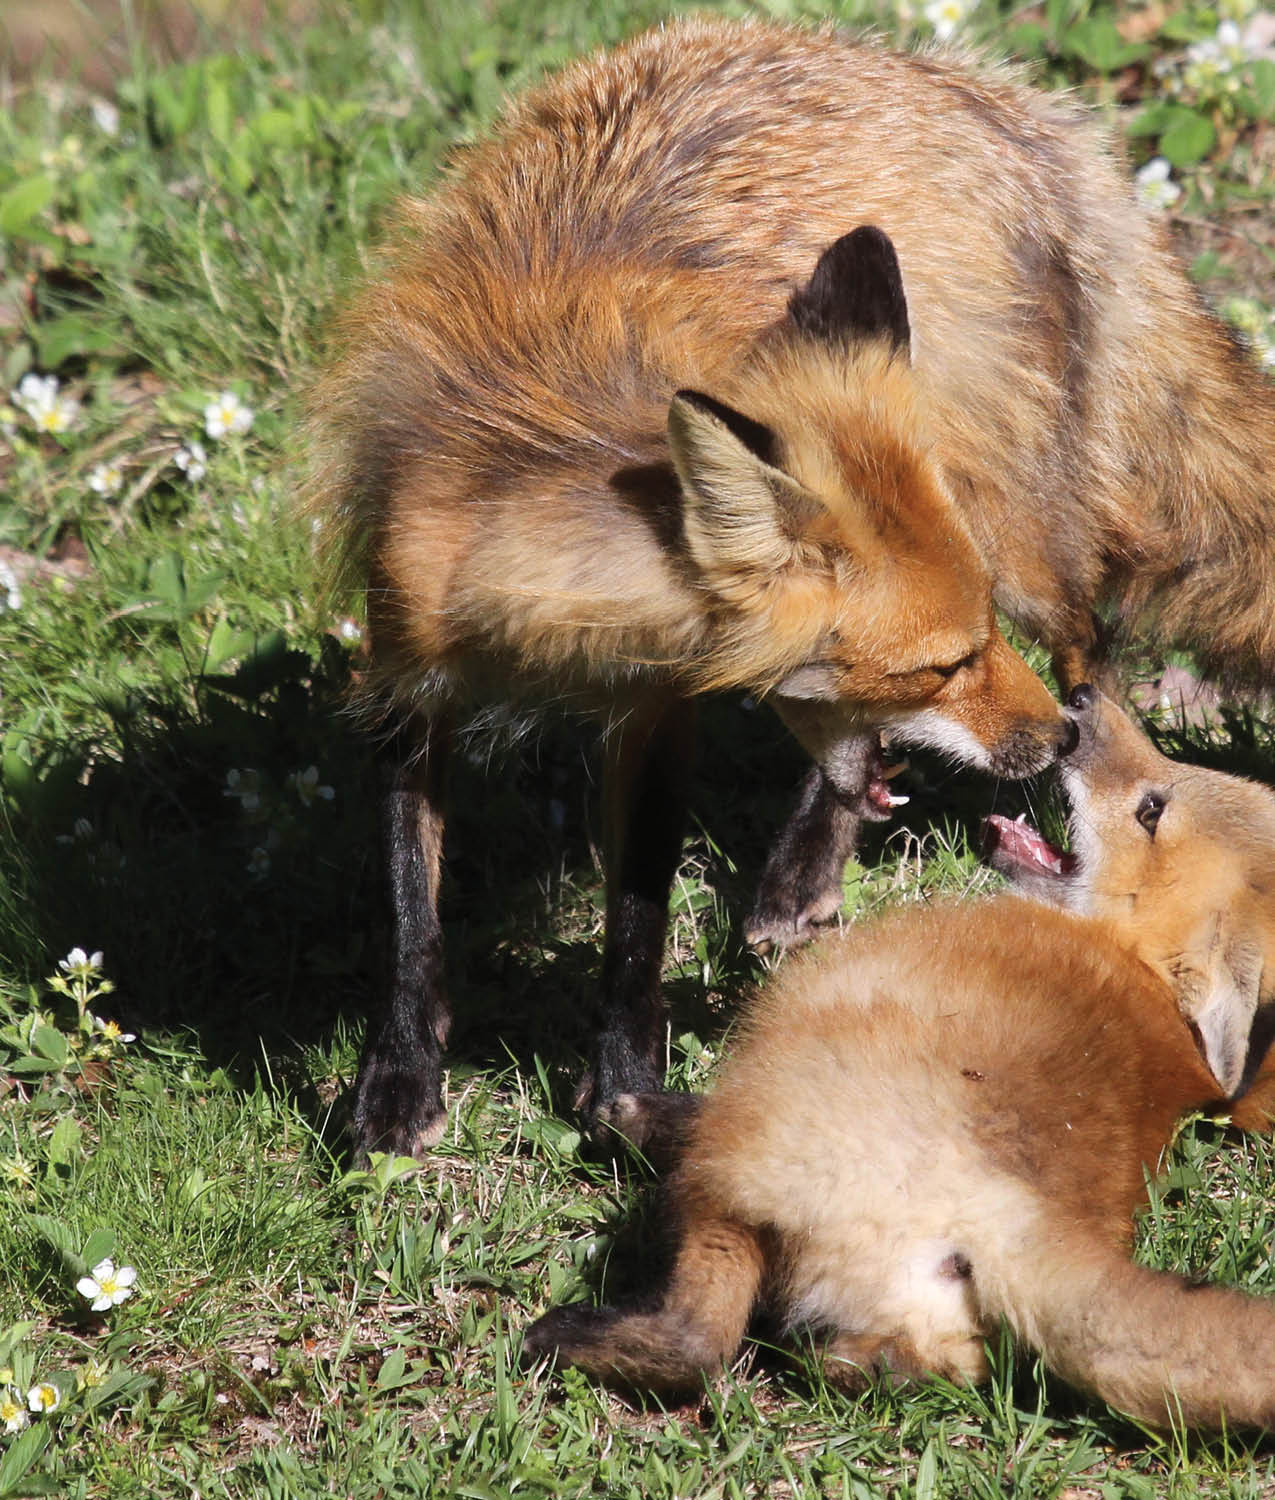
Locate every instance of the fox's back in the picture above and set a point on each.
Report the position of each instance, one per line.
(634, 221)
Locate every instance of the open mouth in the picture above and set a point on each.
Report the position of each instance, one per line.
(879, 778)
(880, 775)
(1016, 849)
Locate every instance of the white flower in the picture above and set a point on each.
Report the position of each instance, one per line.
(945, 16)
(244, 786)
(38, 396)
(79, 965)
(106, 117)
(1153, 186)
(10, 590)
(306, 785)
(351, 630)
(13, 1415)
(105, 1287)
(192, 461)
(227, 414)
(44, 1398)
(110, 1031)
(106, 479)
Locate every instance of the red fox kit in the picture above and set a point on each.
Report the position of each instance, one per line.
(942, 1119)
(631, 415)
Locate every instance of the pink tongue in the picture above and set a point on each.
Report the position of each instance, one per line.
(879, 794)
(1021, 842)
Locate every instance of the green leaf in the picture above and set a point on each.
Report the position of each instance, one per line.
(54, 1233)
(1028, 40)
(11, 1338)
(1151, 120)
(177, 106)
(280, 129)
(392, 1373)
(166, 579)
(30, 1067)
(1188, 139)
(220, 112)
(121, 1385)
(64, 1148)
(224, 644)
(59, 1239)
(1262, 87)
(49, 1043)
(927, 1472)
(20, 1456)
(64, 337)
(1098, 43)
(99, 1245)
(21, 204)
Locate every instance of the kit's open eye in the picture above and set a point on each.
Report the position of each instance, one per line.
(1149, 810)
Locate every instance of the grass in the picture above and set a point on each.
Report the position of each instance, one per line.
(172, 672)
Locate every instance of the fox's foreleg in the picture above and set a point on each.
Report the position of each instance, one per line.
(398, 1094)
(648, 757)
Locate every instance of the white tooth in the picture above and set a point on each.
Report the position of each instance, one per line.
(1021, 818)
(894, 801)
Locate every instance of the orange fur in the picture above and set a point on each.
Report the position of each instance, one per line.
(633, 411)
(639, 220)
(943, 1118)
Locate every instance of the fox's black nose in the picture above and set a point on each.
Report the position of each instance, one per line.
(1082, 696)
(1069, 738)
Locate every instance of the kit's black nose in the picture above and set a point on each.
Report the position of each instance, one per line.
(1082, 696)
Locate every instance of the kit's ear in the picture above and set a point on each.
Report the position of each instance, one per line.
(1218, 987)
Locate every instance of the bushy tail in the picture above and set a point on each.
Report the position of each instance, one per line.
(695, 1328)
(1152, 1344)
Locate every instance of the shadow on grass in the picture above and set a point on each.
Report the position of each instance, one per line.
(235, 897)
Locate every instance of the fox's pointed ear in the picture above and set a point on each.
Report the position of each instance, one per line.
(741, 514)
(856, 292)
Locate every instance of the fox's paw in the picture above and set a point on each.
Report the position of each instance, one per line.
(653, 1124)
(396, 1110)
(785, 918)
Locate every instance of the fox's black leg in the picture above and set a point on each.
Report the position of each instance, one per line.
(800, 885)
(398, 1096)
(648, 763)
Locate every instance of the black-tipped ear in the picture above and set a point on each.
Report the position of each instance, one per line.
(755, 436)
(856, 292)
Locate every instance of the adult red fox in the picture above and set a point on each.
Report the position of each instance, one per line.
(942, 1118)
(629, 415)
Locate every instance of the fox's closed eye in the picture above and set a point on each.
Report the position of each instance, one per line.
(951, 668)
